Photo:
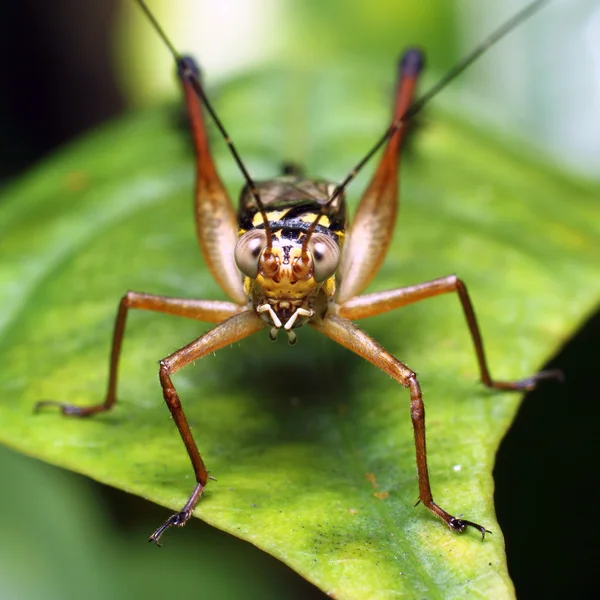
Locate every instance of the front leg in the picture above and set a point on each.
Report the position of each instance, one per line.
(230, 331)
(344, 332)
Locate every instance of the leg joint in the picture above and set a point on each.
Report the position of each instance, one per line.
(411, 381)
(459, 285)
(417, 409)
(128, 298)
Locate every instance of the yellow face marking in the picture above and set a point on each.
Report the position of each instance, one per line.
(274, 215)
(310, 217)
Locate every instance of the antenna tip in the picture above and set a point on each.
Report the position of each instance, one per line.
(187, 63)
(412, 62)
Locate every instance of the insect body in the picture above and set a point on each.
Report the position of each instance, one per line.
(286, 284)
(288, 259)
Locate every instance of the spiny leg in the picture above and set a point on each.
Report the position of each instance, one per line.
(370, 305)
(344, 332)
(202, 310)
(370, 234)
(232, 330)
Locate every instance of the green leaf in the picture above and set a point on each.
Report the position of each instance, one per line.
(311, 447)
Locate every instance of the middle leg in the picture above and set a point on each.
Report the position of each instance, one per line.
(370, 305)
(212, 311)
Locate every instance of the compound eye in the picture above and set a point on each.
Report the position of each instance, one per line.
(326, 255)
(247, 251)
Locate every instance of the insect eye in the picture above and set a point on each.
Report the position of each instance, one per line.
(326, 255)
(247, 251)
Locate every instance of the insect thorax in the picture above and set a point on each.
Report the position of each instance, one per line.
(290, 202)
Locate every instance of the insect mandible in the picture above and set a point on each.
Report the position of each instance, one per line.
(288, 259)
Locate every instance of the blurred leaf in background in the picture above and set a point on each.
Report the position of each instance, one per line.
(60, 542)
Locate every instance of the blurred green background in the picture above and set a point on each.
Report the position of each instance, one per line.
(69, 65)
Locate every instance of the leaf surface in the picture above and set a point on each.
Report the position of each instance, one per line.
(311, 447)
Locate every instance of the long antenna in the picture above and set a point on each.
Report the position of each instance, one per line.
(418, 106)
(188, 73)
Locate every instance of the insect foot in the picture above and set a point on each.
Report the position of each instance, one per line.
(70, 410)
(181, 518)
(459, 525)
(529, 383)
(456, 525)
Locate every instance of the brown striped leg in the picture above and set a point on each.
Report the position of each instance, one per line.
(370, 305)
(202, 310)
(232, 330)
(344, 332)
